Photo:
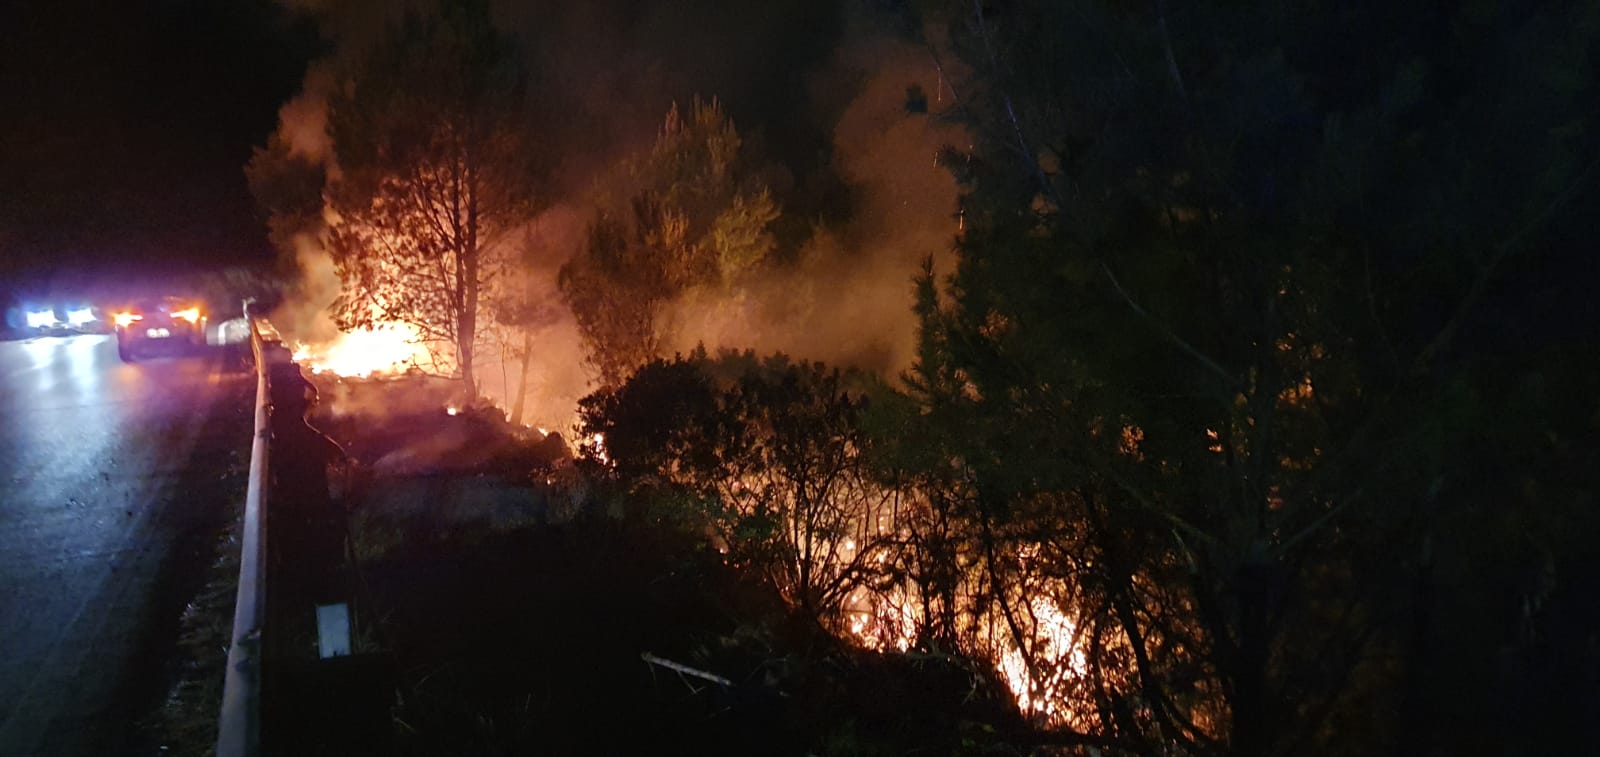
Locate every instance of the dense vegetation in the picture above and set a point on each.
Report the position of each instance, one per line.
(1253, 418)
(1253, 414)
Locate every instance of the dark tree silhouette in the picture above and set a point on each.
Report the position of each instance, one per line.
(1216, 340)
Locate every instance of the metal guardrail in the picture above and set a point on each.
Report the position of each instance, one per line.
(239, 723)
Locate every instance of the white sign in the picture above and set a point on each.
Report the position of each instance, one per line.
(333, 630)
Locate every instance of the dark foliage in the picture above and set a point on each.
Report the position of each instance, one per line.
(1237, 292)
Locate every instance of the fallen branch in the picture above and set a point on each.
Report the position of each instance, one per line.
(684, 669)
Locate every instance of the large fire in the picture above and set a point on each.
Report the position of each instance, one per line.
(1044, 669)
(389, 347)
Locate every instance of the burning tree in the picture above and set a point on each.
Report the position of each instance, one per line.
(434, 169)
(686, 213)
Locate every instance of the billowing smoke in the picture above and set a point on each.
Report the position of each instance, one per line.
(849, 300)
(303, 121)
(800, 79)
(555, 375)
(304, 314)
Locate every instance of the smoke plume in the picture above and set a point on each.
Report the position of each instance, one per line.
(849, 300)
(800, 79)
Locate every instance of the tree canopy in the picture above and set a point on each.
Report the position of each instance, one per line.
(688, 212)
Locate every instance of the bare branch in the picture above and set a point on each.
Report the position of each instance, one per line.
(1227, 378)
(1502, 251)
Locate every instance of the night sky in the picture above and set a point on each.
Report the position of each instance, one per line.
(124, 128)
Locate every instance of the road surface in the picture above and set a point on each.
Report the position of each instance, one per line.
(115, 481)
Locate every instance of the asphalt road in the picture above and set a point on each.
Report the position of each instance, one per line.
(115, 482)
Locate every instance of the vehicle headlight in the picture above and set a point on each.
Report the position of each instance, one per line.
(125, 319)
(40, 318)
(80, 316)
(191, 315)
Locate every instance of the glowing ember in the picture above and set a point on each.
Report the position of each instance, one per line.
(385, 348)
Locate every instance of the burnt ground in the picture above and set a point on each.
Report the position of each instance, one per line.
(508, 621)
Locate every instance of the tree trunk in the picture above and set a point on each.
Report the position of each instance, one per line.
(522, 381)
(1416, 709)
(467, 329)
(464, 334)
(1249, 735)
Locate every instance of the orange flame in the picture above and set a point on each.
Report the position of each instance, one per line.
(389, 347)
(1048, 692)
(1044, 694)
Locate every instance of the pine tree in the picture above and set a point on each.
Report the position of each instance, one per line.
(435, 168)
(686, 213)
